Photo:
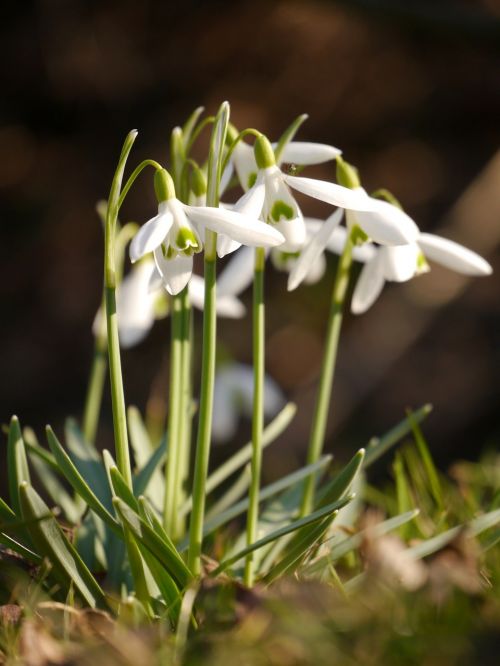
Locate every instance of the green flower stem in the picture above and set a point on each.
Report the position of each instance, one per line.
(258, 324)
(244, 133)
(133, 176)
(174, 417)
(217, 143)
(334, 325)
(185, 411)
(95, 388)
(205, 416)
(117, 395)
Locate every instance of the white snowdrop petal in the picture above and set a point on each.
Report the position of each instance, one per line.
(151, 235)
(331, 193)
(400, 263)
(226, 245)
(230, 307)
(251, 202)
(224, 414)
(238, 274)
(310, 254)
(244, 164)
(316, 271)
(453, 255)
(241, 228)
(368, 286)
(305, 153)
(226, 178)
(175, 272)
(135, 305)
(387, 224)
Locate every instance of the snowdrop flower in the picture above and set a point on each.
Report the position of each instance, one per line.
(173, 234)
(381, 221)
(399, 264)
(233, 396)
(327, 235)
(302, 153)
(140, 302)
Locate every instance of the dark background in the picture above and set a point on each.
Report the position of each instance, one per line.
(408, 90)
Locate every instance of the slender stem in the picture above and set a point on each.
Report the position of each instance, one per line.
(117, 394)
(110, 279)
(132, 178)
(185, 411)
(205, 418)
(174, 416)
(258, 408)
(209, 347)
(317, 437)
(95, 389)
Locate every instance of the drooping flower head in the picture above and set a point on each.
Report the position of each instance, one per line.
(173, 235)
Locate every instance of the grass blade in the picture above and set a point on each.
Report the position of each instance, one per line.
(17, 464)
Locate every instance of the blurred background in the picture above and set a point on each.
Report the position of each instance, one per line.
(411, 93)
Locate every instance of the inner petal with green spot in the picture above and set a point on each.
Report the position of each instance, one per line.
(281, 210)
(186, 241)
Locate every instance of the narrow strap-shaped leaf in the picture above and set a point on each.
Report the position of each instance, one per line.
(87, 461)
(18, 547)
(17, 463)
(346, 544)
(55, 489)
(163, 552)
(287, 529)
(190, 124)
(139, 439)
(266, 493)
(145, 474)
(77, 481)
(33, 447)
(68, 567)
(288, 135)
(296, 554)
(6, 513)
(378, 446)
(341, 483)
(244, 455)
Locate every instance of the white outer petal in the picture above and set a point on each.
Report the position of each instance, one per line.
(311, 253)
(305, 153)
(400, 263)
(226, 178)
(226, 245)
(135, 305)
(453, 255)
(387, 224)
(252, 202)
(316, 271)
(238, 274)
(368, 286)
(331, 193)
(175, 272)
(244, 163)
(239, 227)
(362, 253)
(152, 234)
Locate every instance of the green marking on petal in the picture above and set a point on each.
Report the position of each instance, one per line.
(359, 237)
(168, 252)
(281, 210)
(281, 260)
(252, 178)
(186, 241)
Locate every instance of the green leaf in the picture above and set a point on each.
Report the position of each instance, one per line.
(378, 446)
(164, 552)
(299, 549)
(432, 475)
(17, 464)
(55, 489)
(342, 481)
(288, 136)
(33, 447)
(77, 481)
(68, 567)
(88, 462)
(277, 426)
(345, 544)
(139, 439)
(287, 529)
(190, 124)
(265, 493)
(18, 547)
(6, 513)
(148, 478)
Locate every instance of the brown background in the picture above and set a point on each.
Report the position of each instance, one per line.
(409, 91)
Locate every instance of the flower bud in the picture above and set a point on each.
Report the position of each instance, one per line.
(264, 153)
(164, 185)
(347, 174)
